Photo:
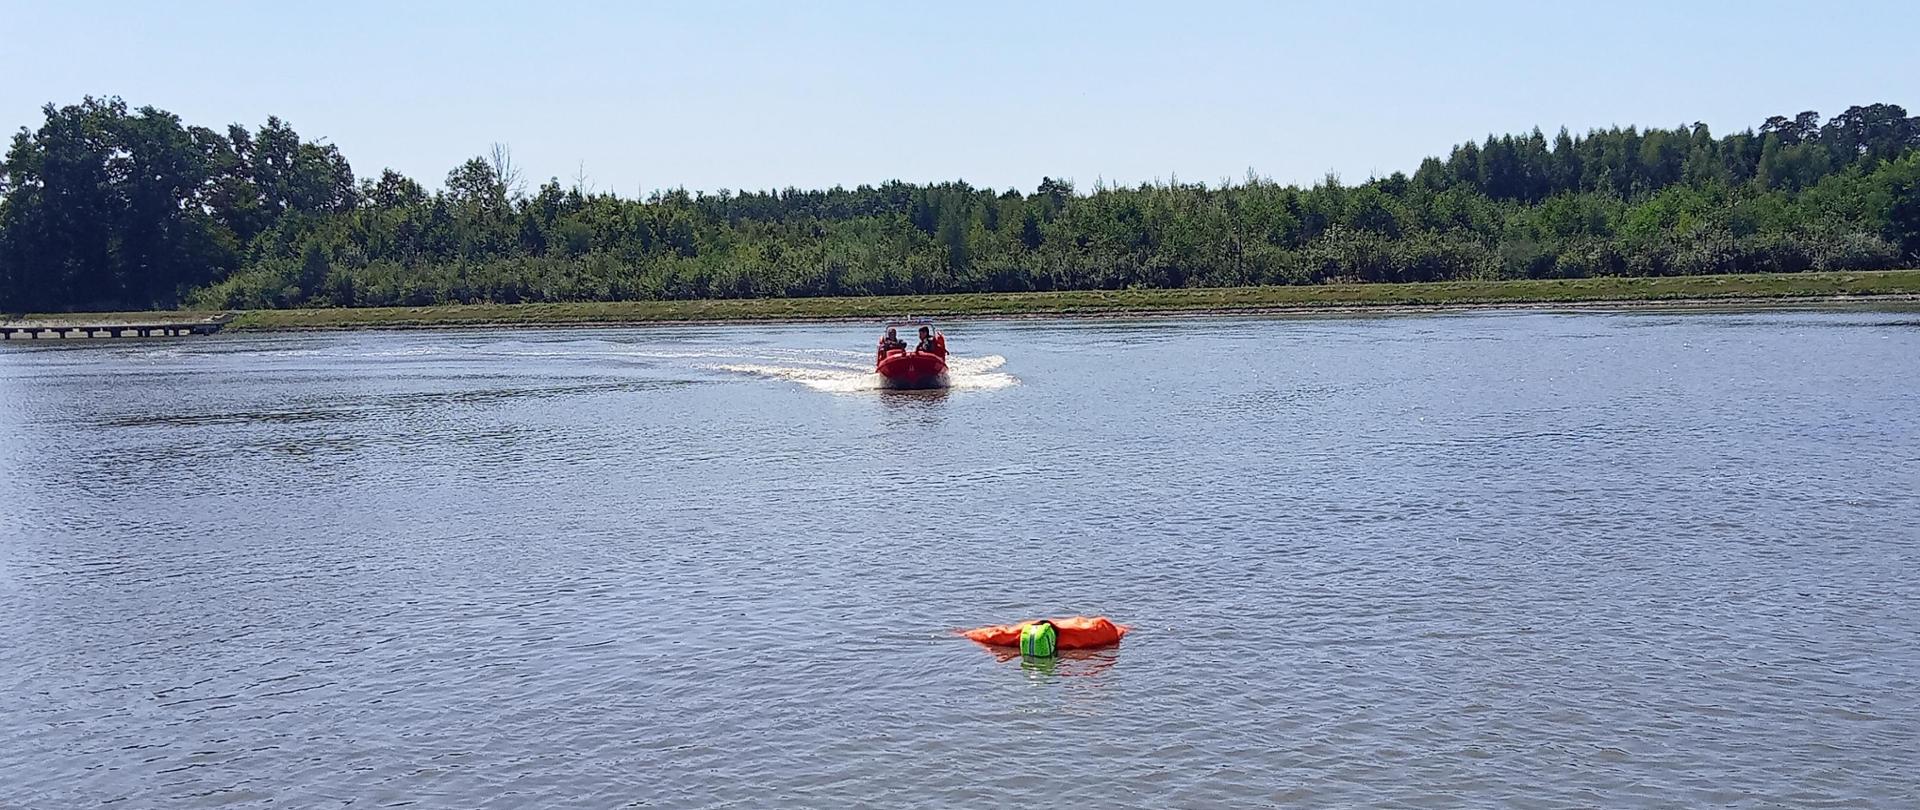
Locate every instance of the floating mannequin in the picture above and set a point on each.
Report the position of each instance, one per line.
(1042, 637)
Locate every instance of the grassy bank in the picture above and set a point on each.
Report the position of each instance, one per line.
(1772, 287)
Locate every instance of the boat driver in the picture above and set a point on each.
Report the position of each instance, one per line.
(926, 343)
(891, 342)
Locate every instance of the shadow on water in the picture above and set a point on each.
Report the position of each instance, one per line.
(909, 412)
(918, 400)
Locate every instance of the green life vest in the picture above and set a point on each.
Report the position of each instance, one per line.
(1038, 640)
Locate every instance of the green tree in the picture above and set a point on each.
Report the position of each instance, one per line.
(104, 206)
(107, 208)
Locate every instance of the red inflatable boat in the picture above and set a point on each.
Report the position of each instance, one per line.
(901, 367)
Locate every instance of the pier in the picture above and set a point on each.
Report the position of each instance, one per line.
(106, 328)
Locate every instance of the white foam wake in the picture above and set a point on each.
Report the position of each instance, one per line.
(979, 372)
(975, 373)
(819, 379)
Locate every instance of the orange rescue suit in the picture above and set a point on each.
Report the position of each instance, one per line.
(1077, 633)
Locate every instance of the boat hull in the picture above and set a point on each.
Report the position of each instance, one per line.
(912, 370)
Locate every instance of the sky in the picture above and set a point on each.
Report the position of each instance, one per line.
(755, 95)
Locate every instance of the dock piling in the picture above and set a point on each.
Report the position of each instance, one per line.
(43, 330)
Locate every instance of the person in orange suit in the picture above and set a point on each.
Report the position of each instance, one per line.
(1076, 633)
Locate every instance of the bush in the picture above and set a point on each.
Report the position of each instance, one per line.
(1526, 258)
(1588, 258)
(1856, 251)
(254, 288)
(1431, 257)
(1779, 253)
(1704, 253)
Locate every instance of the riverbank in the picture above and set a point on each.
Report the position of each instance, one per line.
(1711, 290)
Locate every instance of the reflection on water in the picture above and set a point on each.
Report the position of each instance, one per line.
(1067, 664)
(925, 402)
(1477, 560)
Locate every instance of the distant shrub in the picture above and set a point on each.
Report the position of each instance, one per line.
(1856, 251)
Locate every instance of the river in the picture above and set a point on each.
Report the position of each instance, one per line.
(1530, 559)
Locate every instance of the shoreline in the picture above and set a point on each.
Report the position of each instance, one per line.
(1333, 311)
(1683, 293)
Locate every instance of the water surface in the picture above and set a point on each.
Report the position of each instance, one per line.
(1531, 559)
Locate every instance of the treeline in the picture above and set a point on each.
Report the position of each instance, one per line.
(107, 207)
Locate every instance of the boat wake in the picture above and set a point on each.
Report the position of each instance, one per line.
(821, 369)
(973, 373)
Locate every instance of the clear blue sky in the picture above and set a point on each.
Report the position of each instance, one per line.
(709, 95)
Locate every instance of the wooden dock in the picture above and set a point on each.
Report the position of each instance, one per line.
(105, 328)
